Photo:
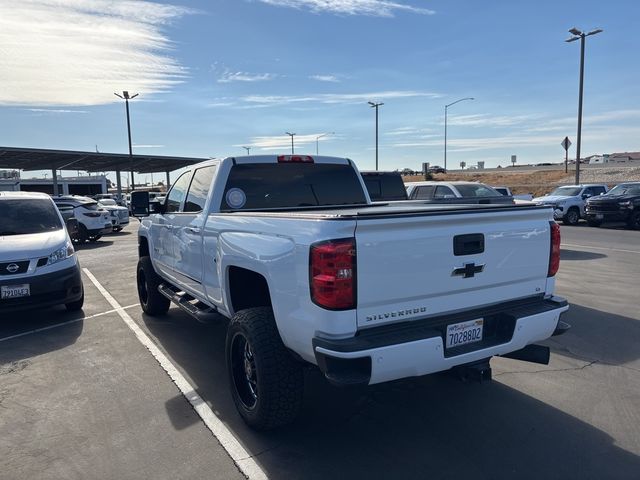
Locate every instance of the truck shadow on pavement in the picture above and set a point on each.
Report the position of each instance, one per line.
(591, 338)
(568, 254)
(432, 426)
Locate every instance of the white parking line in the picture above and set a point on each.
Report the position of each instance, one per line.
(63, 323)
(236, 451)
(600, 248)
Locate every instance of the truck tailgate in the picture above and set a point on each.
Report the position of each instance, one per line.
(407, 267)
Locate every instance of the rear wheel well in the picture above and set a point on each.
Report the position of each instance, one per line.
(248, 289)
(143, 247)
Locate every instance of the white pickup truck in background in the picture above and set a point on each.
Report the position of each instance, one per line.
(506, 191)
(310, 272)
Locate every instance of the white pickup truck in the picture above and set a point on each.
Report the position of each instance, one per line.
(310, 272)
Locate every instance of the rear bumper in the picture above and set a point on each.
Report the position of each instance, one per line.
(56, 288)
(416, 348)
(108, 228)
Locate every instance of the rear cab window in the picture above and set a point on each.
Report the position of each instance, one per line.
(476, 191)
(260, 186)
(28, 216)
(384, 186)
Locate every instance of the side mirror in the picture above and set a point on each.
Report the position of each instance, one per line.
(140, 204)
(586, 195)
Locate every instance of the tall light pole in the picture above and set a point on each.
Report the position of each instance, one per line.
(376, 105)
(579, 35)
(125, 96)
(319, 137)
(291, 135)
(446, 108)
(248, 149)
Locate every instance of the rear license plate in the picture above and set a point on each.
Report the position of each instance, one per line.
(459, 334)
(599, 216)
(15, 291)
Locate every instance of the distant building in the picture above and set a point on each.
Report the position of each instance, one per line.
(624, 157)
(87, 185)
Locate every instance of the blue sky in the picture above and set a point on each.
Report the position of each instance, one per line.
(214, 76)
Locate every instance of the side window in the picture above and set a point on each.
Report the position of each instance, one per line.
(177, 193)
(597, 190)
(424, 192)
(199, 189)
(443, 192)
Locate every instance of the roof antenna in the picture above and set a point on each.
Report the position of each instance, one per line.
(97, 149)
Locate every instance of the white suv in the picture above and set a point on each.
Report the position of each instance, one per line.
(93, 221)
(119, 215)
(568, 201)
(38, 265)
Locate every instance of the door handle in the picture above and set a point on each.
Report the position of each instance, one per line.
(194, 230)
(164, 225)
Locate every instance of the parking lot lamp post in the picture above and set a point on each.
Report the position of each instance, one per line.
(446, 108)
(579, 35)
(248, 149)
(376, 105)
(319, 137)
(125, 96)
(291, 135)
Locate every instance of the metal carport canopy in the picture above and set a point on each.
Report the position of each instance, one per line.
(43, 159)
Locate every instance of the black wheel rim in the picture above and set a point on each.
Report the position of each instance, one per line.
(243, 371)
(143, 289)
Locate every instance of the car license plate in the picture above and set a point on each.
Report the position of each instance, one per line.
(599, 216)
(459, 334)
(15, 291)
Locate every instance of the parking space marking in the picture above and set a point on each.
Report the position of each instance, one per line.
(76, 320)
(229, 442)
(600, 248)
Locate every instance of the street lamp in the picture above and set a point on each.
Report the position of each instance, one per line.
(291, 135)
(320, 136)
(446, 108)
(248, 149)
(376, 105)
(125, 96)
(579, 35)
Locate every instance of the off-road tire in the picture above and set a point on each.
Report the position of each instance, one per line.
(77, 305)
(634, 220)
(279, 382)
(153, 303)
(572, 217)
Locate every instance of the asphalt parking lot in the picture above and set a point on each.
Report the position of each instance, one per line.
(82, 397)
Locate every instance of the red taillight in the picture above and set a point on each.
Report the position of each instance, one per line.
(295, 159)
(554, 255)
(332, 272)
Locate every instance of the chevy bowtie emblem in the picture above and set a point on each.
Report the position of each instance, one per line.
(468, 271)
(12, 268)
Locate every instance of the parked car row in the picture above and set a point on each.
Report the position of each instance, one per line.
(595, 203)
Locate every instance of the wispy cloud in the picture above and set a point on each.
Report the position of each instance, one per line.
(228, 76)
(373, 8)
(54, 110)
(283, 142)
(148, 146)
(274, 100)
(78, 52)
(485, 120)
(325, 78)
